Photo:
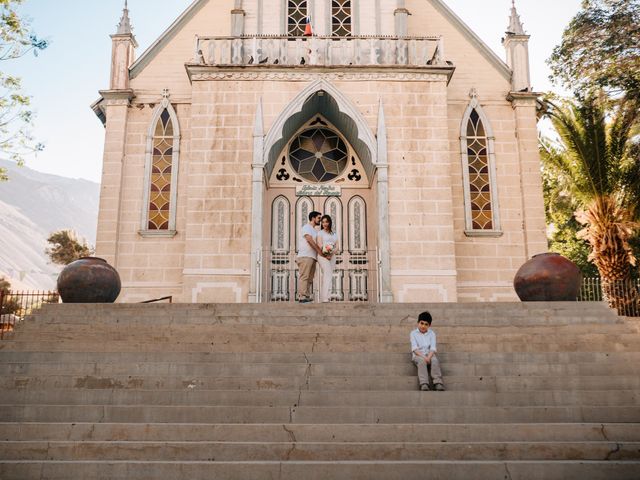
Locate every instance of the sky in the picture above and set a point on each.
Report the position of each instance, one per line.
(64, 80)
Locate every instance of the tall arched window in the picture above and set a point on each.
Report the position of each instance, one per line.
(341, 19)
(478, 169)
(161, 172)
(297, 11)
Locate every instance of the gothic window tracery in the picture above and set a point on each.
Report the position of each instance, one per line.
(341, 19)
(319, 155)
(478, 171)
(161, 171)
(297, 11)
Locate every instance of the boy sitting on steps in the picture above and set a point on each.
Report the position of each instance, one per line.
(423, 350)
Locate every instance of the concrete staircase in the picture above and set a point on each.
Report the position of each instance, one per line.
(535, 391)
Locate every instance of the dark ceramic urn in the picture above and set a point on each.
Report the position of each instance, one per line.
(89, 280)
(548, 277)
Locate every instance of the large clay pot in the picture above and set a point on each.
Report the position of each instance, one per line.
(548, 277)
(89, 280)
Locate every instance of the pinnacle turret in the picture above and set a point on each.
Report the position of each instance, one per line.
(515, 24)
(124, 27)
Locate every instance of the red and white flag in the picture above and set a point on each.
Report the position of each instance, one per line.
(308, 30)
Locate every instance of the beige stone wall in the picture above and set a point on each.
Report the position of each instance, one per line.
(166, 68)
(149, 267)
(486, 266)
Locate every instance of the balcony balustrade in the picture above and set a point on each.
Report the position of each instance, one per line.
(320, 51)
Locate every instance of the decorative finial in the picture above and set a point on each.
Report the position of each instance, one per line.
(515, 24)
(124, 27)
(165, 97)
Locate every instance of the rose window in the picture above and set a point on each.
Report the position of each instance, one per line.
(318, 155)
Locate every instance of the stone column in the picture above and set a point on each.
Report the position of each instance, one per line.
(534, 222)
(401, 15)
(116, 106)
(257, 208)
(384, 242)
(237, 19)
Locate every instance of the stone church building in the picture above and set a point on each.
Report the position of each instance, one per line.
(391, 116)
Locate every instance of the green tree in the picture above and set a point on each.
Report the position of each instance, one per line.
(16, 116)
(601, 47)
(66, 248)
(563, 227)
(9, 305)
(597, 164)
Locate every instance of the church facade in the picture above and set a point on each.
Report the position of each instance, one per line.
(391, 116)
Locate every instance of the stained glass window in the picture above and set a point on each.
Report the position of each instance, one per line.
(318, 155)
(161, 173)
(480, 200)
(296, 17)
(341, 18)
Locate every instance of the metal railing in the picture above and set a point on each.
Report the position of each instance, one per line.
(168, 299)
(320, 51)
(621, 295)
(356, 277)
(15, 306)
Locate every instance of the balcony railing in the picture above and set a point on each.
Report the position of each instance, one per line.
(320, 51)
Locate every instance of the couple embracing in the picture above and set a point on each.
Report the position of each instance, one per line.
(316, 246)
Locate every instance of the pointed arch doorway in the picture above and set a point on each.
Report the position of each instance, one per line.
(321, 155)
(319, 170)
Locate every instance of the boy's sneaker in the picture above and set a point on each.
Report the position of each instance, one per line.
(304, 300)
(439, 387)
(425, 387)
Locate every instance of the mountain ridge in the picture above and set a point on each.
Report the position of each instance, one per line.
(32, 206)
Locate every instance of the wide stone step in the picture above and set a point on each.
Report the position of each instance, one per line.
(215, 333)
(295, 470)
(319, 383)
(320, 415)
(131, 345)
(313, 309)
(569, 321)
(463, 333)
(316, 433)
(326, 451)
(305, 398)
(320, 369)
(313, 358)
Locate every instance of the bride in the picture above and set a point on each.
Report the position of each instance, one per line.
(328, 242)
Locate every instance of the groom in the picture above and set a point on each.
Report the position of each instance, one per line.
(308, 251)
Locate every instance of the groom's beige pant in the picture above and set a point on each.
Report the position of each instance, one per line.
(307, 269)
(424, 370)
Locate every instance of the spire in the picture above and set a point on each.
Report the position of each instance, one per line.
(515, 24)
(124, 27)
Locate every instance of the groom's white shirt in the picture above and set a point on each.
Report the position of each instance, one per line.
(304, 249)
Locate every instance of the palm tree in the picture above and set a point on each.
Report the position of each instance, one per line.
(597, 160)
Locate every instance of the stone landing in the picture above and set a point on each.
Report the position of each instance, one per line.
(535, 391)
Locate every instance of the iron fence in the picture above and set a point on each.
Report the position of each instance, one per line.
(621, 295)
(15, 306)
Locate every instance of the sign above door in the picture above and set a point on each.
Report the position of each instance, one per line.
(318, 191)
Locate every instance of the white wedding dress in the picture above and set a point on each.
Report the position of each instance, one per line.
(326, 266)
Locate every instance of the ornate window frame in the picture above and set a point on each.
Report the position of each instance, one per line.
(286, 14)
(165, 104)
(332, 18)
(357, 220)
(281, 225)
(496, 231)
